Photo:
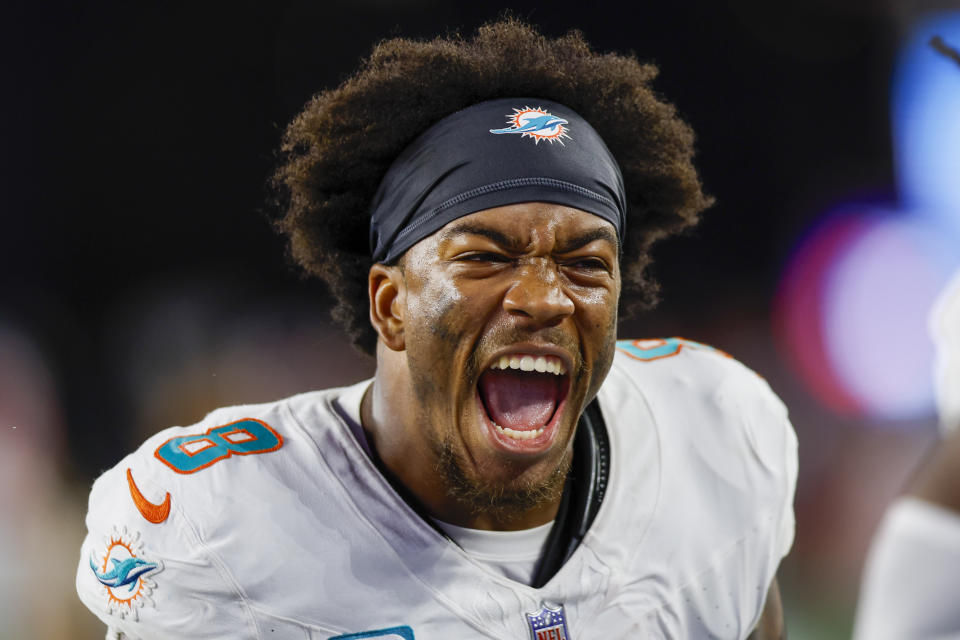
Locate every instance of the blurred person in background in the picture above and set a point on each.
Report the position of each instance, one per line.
(38, 514)
(912, 576)
(511, 470)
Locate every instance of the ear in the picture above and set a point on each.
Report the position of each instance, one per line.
(387, 292)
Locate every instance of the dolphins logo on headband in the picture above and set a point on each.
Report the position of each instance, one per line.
(537, 124)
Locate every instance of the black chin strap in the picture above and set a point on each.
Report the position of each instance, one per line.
(584, 490)
(582, 494)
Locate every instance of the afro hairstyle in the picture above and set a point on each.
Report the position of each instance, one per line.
(338, 148)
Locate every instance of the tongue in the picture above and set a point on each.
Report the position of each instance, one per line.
(520, 400)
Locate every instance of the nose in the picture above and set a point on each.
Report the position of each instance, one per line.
(537, 293)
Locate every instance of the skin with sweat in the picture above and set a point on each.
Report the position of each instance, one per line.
(533, 279)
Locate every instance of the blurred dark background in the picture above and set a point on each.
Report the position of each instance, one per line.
(142, 286)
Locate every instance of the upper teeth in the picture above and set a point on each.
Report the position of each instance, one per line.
(543, 364)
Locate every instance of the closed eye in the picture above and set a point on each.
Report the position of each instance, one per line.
(482, 256)
(587, 264)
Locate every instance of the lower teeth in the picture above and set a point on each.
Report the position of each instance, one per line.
(518, 435)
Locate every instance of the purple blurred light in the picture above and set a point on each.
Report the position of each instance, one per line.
(877, 295)
(851, 314)
(797, 310)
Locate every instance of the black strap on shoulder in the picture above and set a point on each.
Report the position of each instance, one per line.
(584, 490)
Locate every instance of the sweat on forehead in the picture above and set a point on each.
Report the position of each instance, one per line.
(494, 153)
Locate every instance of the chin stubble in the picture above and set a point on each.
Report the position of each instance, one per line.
(504, 501)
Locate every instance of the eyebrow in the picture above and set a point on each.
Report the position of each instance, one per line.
(600, 233)
(572, 244)
(492, 234)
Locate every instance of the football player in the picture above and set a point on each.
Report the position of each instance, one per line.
(913, 570)
(483, 210)
(910, 577)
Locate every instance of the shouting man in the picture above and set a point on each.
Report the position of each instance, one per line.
(483, 210)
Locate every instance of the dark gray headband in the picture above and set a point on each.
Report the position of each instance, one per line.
(492, 154)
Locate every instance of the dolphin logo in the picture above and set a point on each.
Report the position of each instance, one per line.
(544, 122)
(124, 572)
(537, 124)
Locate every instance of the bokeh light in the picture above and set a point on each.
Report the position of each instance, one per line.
(926, 121)
(851, 315)
(876, 301)
(798, 309)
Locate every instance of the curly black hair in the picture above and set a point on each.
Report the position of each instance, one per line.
(336, 151)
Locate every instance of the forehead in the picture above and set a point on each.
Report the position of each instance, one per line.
(527, 223)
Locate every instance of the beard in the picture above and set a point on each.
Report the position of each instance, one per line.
(506, 499)
(503, 500)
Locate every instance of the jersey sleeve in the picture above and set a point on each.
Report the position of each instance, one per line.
(728, 419)
(910, 577)
(773, 443)
(762, 441)
(728, 471)
(143, 568)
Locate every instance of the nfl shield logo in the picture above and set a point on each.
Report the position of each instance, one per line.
(548, 624)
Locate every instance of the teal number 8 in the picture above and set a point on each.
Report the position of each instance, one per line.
(188, 454)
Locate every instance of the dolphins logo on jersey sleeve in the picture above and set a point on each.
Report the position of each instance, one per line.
(125, 573)
(537, 124)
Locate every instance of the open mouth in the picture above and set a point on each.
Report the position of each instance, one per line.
(523, 397)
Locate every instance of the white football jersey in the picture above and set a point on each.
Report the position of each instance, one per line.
(271, 521)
